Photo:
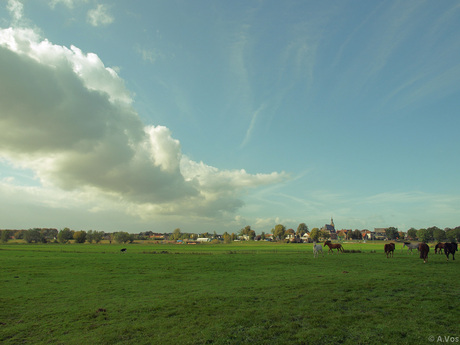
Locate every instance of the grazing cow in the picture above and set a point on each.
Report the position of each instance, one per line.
(389, 249)
(450, 248)
(123, 250)
(316, 249)
(439, 247)
(424, 250)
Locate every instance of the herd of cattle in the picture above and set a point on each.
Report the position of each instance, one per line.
(449, 248)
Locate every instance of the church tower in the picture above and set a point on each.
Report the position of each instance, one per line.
(332, 223)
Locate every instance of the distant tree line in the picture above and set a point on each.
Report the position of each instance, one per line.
(278, 233)
(434, 234)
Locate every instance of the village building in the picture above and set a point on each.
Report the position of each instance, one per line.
(377, 234)
(330, 228)
(366, 234)
(344, 234)
(306, 237)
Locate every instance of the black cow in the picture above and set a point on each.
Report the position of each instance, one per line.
(450, 248)
(123, 250)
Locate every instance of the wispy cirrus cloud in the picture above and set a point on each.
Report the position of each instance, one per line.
(16, 9)
(68, 3)
(250, 129)
(100, 16)
(149, 55)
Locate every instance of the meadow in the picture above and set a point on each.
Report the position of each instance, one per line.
(239, 293)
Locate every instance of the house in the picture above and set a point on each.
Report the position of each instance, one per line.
(268, 237)
(305, 237)
(290, 236)
(366, 234)
(203, 239)
(157, 236)
(379, 234)
(342, 234)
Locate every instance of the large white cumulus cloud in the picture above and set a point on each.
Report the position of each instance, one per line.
(70, 119)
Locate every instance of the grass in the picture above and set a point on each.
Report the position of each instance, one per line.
(241, 293)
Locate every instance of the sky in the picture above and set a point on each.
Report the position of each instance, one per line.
(214, 115)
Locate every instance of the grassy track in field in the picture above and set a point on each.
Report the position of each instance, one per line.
(241, 293)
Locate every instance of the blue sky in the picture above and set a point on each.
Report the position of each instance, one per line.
(214, 115)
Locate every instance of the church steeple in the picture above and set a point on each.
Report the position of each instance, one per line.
(332, 223)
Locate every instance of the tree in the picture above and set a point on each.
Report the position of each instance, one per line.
(315, 234)
(175, 235)
(391, 233)
(412, 234)
(247, 231)
(131, 238)
(122, 237)
(98, 236)
(5, 236)
(79, 236)
(457, 233)
(453, 235)
(356, 235)
(438, 234)
(90, 236)
(65, 235)
(325, 234)
(429, 233)
(424, 235)
(49, 234)
(34, 235)
(227, 237)
(279, 232)
(302, 229)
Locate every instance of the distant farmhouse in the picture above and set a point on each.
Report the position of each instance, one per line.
(377, 234)
(380, 234)
(330, 228)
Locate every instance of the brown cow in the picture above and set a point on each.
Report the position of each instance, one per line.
(424, 250)
(389, 249)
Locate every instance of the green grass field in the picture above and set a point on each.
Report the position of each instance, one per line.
(241, 293)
